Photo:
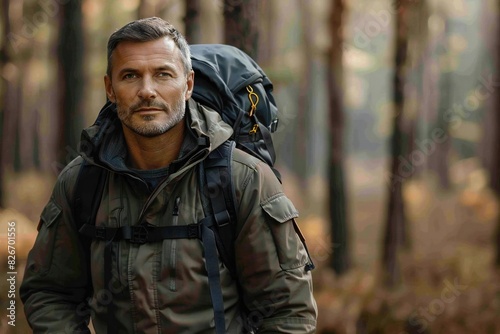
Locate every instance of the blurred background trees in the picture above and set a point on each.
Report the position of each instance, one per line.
(388, 137)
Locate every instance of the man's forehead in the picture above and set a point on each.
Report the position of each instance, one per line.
(162, 45)
(156, 53)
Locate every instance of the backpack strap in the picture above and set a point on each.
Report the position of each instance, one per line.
(88, 191)
(141, 234)
(219, 200)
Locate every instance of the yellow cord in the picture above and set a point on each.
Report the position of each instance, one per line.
(254, 100)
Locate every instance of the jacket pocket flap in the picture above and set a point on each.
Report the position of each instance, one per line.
(50, 213)
(280, 208)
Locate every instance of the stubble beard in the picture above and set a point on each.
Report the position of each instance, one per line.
(150, 128)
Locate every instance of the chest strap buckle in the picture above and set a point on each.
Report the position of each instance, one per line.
(139, 234)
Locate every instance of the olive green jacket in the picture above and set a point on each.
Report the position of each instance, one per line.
(162, 287)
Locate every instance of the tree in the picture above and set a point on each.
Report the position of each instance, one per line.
(340, 260)
(12, 49)
(304, 94)
(495, 182)
(394, 234)
(192, 21)
(441, 155)
(4, 62)
(241, 25)
(267, 37)
(70, 52)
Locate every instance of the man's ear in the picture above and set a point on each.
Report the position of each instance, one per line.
(109, 89)
(190, 85)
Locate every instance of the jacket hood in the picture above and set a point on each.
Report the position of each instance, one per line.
(105, 137)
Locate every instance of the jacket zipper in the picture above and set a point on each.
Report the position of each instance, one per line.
(159, 188)
(173, 248)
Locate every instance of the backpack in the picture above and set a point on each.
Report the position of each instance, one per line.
(230, 82)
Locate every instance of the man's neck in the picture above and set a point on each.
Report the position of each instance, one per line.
(155, 152)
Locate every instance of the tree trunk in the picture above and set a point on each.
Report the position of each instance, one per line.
(71, 79)
(192, 21)
(241, 25)
(441, 155)
(490, 28)
(6, 86)
(304, 96)
(340, 260)
(11, 91)
(267, 34)
(496, 155)
(395, 224)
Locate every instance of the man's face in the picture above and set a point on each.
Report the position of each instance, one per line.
(149, 85)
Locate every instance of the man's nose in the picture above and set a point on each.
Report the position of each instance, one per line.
(147, 89)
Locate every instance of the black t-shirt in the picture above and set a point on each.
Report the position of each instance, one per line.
(153, 176)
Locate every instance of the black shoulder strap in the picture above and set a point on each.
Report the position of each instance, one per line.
(218, 199)
(87, 194)
(216, 192)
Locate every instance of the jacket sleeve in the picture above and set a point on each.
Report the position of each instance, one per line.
(54, 289)
(271, 258)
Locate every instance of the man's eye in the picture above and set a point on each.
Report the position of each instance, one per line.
(164, 74)
(129, 76)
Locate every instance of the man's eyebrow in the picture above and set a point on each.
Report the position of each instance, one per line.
(158, 68)
(165, 68)
(127, 70)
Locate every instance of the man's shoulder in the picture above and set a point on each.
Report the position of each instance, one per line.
(69, 175)
(72, 168)
(246, 167)
(244, 160)
(66, 180)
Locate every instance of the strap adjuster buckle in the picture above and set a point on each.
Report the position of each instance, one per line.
(100, 232)
(193, 231)
(222, 218)
(139, 235)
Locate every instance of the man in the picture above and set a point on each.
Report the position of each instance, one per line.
(152, 148)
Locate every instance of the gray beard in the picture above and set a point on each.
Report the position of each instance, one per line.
(152, 129)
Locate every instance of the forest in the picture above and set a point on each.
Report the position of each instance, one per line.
(388, 140)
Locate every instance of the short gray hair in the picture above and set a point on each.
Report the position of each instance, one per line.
(145, 30)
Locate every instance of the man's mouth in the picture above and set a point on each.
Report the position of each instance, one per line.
(148, 110)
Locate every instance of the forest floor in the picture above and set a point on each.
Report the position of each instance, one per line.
(447, 282)
(447, 279)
